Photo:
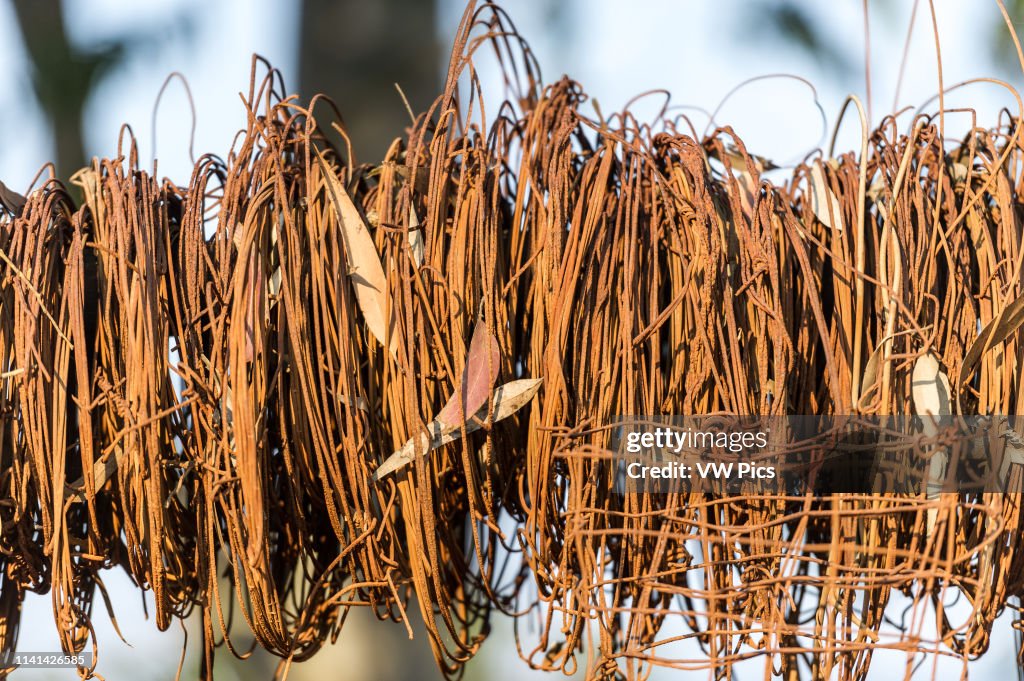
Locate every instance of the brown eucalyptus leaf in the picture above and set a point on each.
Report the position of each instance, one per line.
(478, 377)
(11, 200)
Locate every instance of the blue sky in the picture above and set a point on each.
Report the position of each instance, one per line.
(695, 49)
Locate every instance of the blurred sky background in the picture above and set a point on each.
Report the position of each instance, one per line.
(355, 50)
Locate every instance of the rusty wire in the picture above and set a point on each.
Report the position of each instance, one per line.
(188, 388)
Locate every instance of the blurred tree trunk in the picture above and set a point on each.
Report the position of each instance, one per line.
(356, 50)
(62, 77)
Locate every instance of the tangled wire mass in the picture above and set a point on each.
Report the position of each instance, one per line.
(198, 384)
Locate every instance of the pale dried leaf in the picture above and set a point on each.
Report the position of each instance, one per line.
(358, 402)
(364, 266)
(930, 393)
(253, 304)
(824, 202)
(102, 471)
(876, 192)
(274, 286)
(870, 375)
(1013, 452)
(415, 238)
(930, 387)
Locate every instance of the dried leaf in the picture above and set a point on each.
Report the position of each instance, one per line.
(364, 266)
(478, 377)
(358, 402)
(508, 399)
(1013, 451)
(930, 387)
(1004, 325)
(958, 171)
(930, 393)
(274, 285)
(876, 192)
(870, 375)
(824, 202)
(11, 200)
(738, 159)
(415, 238)
(102, 470)
(422, 178)
(253, 304)
(105, 470)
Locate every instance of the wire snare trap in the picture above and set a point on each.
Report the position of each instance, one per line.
(202, 385)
